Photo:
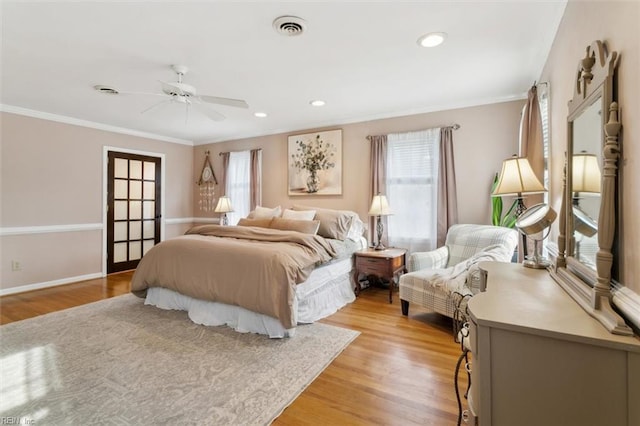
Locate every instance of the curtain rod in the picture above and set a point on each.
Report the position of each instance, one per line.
(454, 126)
(228, 152)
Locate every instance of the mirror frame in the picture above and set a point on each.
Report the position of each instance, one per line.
(592, 289)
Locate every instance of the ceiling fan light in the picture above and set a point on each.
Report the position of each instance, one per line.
(432, 39)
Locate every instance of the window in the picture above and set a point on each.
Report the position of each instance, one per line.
(412, 189)
(238, 185)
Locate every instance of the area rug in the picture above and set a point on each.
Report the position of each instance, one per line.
(118, 361)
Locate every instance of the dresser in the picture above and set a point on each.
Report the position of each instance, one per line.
(539, 359)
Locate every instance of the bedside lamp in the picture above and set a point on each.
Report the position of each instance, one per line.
(224, 207)
(517, 178)
(379, 208)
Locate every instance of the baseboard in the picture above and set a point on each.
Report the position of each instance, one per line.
(47, 284)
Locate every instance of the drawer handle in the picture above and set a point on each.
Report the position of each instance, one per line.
(465, 416)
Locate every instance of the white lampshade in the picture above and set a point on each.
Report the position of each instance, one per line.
(517, 178)
(224, 205)
(586, 173)
(379, 206)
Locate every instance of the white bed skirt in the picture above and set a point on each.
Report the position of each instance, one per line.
(327, 289)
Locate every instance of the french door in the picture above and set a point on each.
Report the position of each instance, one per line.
(133, 208)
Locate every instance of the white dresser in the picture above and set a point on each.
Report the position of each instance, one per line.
(539, 359)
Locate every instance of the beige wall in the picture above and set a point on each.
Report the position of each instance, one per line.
(488, 134)
(52, 175)
(617, 23)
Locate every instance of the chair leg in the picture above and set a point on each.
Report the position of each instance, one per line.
(405, 307)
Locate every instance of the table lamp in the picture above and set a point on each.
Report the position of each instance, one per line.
(517, 178)
(379, 208)
(224, 207)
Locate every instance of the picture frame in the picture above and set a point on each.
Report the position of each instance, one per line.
(315, 163)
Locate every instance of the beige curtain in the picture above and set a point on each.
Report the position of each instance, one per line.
(531, 144)
(447, 196)
(378, 185)
(256, 178)
(225, 170)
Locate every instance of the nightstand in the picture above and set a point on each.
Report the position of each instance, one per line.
(387, 263)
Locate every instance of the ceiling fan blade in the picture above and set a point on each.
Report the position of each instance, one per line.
(155, 105)
(214, 115)
(142, 93)
(238, 103)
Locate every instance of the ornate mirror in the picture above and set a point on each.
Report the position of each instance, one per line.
(588, 215)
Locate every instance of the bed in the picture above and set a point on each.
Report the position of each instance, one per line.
(265, 276)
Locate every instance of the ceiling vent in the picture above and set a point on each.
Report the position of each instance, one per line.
(106, 89)
(289, 25)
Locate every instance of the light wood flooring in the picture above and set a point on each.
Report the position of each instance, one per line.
(399, 371)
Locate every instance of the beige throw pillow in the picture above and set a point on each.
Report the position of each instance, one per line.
(265, 212)
(304, 226)
(262, 223)
(298, 215)
(333, 223)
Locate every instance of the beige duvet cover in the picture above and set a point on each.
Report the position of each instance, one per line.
(255, 268)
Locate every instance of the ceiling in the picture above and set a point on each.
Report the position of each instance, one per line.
(361, 58)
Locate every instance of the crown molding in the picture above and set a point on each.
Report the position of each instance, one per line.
(90, 124)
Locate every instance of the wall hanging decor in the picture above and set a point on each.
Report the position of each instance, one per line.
(315, 163)
(207, 183)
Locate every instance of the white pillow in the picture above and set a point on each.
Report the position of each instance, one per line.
(356, 231)
(266, 213)
(299, 214)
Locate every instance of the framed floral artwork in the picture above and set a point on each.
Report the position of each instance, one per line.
(315, 163)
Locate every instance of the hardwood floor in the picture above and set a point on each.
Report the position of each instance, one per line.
(399, 371)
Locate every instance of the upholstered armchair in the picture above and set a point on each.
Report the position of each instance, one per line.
(441, 280)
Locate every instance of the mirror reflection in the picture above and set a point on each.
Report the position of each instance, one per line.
(585, 182)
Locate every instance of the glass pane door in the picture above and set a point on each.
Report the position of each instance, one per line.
(133, 219)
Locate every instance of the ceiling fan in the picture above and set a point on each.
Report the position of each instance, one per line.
(179, 92)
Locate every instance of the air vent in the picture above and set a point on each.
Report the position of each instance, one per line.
(106, 89)
(289, 25)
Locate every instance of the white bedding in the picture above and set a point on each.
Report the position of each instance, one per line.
(328, 288)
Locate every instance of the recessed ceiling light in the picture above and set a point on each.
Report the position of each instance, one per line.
(317, 102)
(432, 39)
(260, 114)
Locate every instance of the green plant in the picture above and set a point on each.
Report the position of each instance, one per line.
(509, 219)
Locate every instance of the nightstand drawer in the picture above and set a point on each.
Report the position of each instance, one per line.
(375, 266)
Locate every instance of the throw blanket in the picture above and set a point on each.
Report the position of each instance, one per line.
(453, 279)
(255, 268)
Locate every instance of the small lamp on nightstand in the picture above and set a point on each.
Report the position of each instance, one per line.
(224, 207)
(379, 208)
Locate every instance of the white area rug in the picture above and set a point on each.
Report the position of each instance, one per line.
(120, 362)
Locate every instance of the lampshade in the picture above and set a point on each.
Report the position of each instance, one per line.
(586, 173)
(517, 178)
(224, 205)
(379, 206)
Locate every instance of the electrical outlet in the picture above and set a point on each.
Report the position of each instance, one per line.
(16, 266)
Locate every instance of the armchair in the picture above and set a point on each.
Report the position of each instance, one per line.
(441, 279)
